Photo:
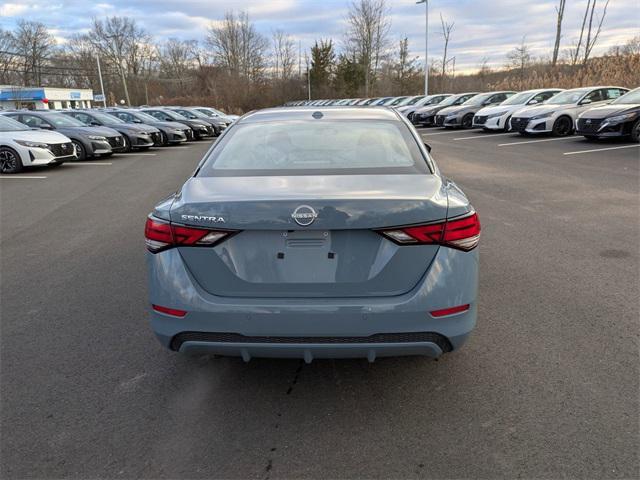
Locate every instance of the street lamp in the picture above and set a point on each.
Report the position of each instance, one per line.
(426, 44)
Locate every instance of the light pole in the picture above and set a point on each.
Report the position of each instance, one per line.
(426, 44)
(104, 100)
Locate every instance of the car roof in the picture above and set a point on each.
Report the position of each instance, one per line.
(334, 112)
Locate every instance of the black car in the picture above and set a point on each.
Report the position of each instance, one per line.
(170, 132)
(135, 136)
(87, 141)
(621, 118)
(425, 116)
(200, 129)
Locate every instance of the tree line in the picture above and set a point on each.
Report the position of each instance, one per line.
(238, 68)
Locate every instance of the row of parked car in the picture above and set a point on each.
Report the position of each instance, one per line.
(48, 137)
(594, 112)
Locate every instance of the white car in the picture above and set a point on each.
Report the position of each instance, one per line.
(22, 147)
(212, 112)
(498, 116)
(421, 101)
(558, 114)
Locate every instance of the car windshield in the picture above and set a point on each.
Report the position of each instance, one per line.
(450, 100)
(144, 117)
(197, 113)
(570, 96)
(11, 125)
(186, 114)
(60, 120)
(630, 97)
(398, 101)
(414, 100)
(300, 148)
(518, 99)
(105, 118)
(478, 99)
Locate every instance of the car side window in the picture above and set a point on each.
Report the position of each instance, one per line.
(127, 117)
(613, 93)
(84, 118)
(33, 121)
(157, 114)
(595, 96)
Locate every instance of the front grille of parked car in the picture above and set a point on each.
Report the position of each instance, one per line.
(480, 120)
(519, 124)
(115, 141)
(590, 125)
(439, 120)
(62, 149)
(224, 337)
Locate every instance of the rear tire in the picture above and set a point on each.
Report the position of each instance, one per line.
(562, 127)
(10, 161)
(635, 132)
(467, 121)
(81, 152)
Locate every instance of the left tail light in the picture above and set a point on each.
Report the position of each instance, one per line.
(160, 235)
(461, 233)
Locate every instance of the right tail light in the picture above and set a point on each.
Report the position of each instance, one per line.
(462, 233)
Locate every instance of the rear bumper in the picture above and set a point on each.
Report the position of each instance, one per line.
(343, 327)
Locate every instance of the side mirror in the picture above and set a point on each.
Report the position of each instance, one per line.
(137, 120)
(427, 146)
(533, 102)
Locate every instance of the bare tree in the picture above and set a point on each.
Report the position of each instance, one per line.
(405, 69)
(284, 55)
(592, 35)
(7, 59)
(33, 43)
(520, 58)
(123, 45)
(559, 18)
(237, 46)
(447, 28)
(177, 58)
(367, 36)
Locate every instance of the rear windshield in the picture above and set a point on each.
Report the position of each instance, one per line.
(316, 147)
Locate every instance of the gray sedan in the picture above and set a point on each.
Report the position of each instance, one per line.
(315, 233)
(462, 116)
(87, 141)
(135, 136)
(170, 132)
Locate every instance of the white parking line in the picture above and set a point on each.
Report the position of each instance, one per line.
(600, 149)
(6, 177)
(175, 148)
(486, 135)
(82, 164)
(136, 154)
(534, 141)
(439, 133)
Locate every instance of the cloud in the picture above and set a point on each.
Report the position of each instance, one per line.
(482, 29)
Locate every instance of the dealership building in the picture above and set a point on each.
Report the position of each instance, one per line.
(44, 98)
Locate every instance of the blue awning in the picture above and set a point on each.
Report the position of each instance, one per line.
(24, 94)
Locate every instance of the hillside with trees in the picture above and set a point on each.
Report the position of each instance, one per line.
(237, 68)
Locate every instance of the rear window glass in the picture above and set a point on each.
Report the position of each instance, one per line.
(316, 147)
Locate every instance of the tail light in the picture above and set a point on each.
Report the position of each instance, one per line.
(461, 233)
(160, 235)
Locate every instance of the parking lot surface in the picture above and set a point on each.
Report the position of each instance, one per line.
(546, 387)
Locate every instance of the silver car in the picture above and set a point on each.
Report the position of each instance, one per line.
(315, 233)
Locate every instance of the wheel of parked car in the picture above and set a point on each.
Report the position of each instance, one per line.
(164, 139)
(562, 127)
(81, 152)
(127, 143)
(635, 132)
(467, 120)
(9, 161)
(507, 124)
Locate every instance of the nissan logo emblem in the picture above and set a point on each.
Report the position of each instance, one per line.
(304, 215)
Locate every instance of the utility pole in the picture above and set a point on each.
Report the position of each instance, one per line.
(426, 44)
(104, 99)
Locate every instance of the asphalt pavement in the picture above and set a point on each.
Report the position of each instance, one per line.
(547, 386)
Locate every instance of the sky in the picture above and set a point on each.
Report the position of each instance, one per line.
(483, 29)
